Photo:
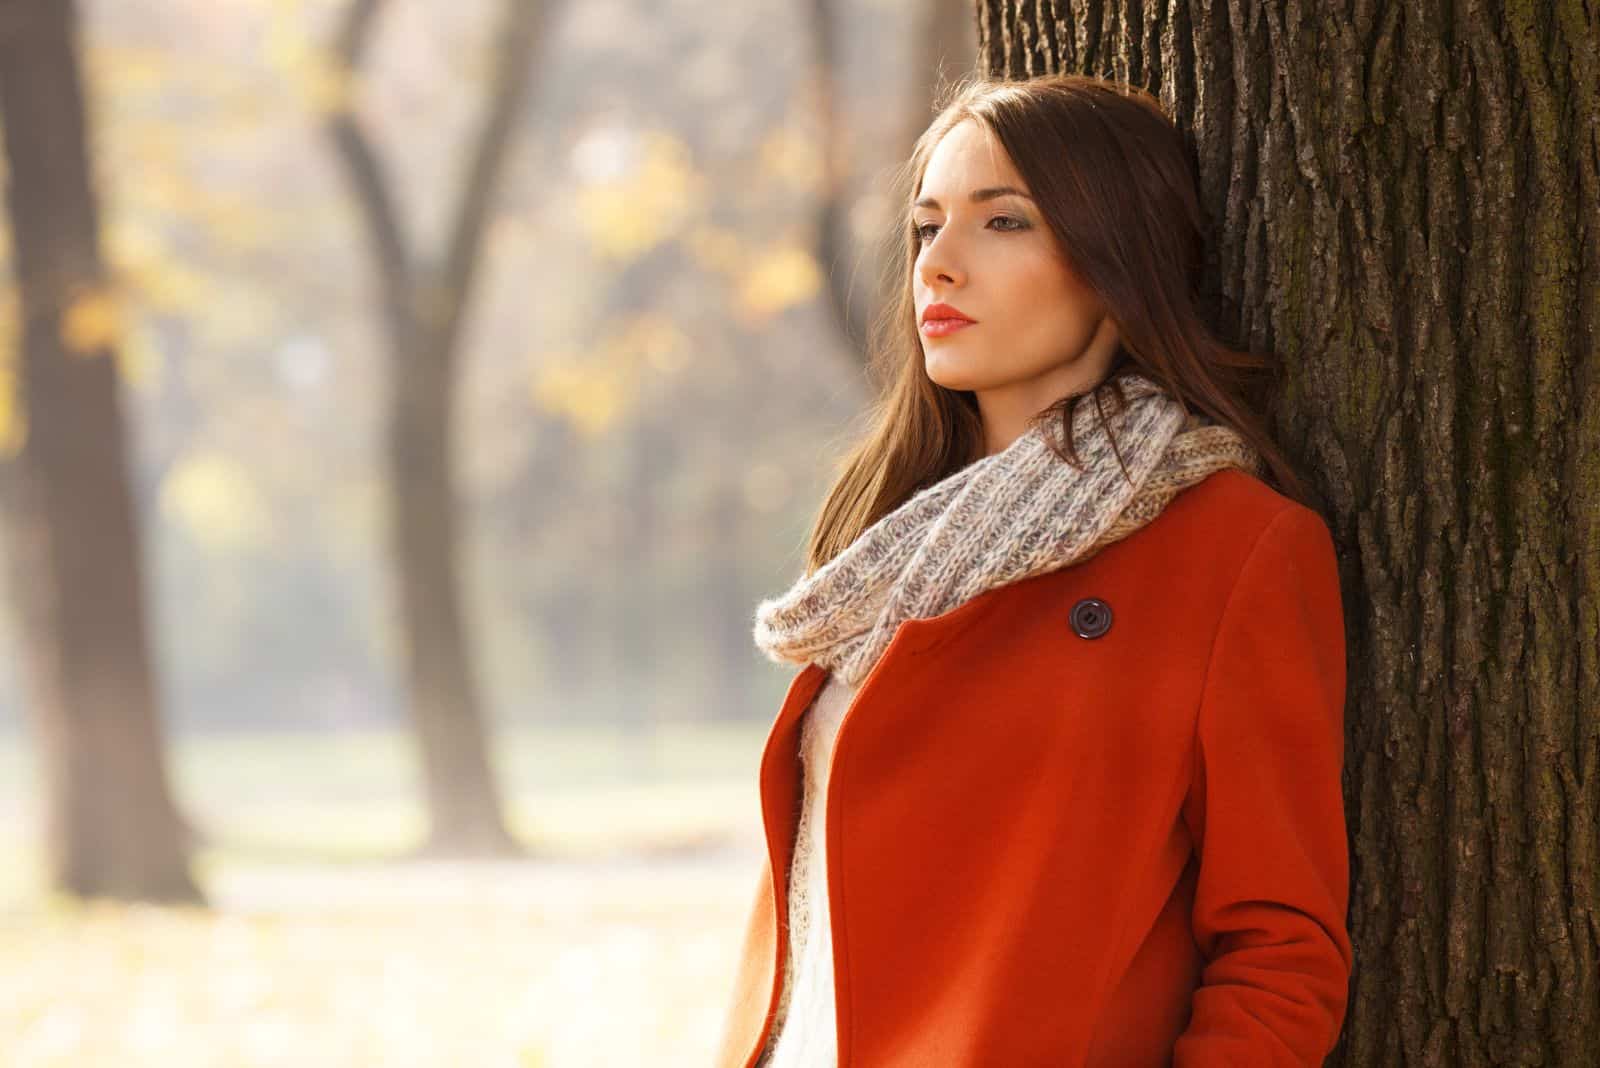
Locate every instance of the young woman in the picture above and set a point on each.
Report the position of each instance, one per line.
(1058, 780)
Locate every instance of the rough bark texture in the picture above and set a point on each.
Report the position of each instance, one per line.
(1408, 212)
(112, 829)
(425, 306)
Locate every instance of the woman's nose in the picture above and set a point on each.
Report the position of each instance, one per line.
(939, 262)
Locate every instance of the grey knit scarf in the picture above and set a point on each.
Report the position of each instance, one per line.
(1002, 518)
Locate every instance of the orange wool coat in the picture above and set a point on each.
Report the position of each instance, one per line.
(1125, 850)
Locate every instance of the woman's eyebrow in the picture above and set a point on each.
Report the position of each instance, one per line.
(979, 195)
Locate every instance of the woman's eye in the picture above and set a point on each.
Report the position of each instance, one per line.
(919, 231)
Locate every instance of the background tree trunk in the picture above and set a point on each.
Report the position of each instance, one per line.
(726, 603)
(1408, 213)
(424, 308)
(73, 538)
(857, 285)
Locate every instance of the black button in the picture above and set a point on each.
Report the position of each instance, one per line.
(1091, 617)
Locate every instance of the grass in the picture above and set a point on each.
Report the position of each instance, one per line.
(614, 945)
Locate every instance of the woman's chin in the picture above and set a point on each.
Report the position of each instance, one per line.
(944, 370)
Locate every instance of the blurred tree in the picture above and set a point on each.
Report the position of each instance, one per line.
(725, 600)
(424, 306)
(833, 198)
(73, 538)
(1407, 203)
(948, 45)
(946, 36)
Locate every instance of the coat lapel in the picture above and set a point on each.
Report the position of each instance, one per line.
(765, 938)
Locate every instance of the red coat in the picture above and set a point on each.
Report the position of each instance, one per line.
(1121, 850)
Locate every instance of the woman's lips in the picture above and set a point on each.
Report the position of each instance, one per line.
(945, 327)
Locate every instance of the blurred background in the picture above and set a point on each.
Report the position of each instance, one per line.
(403, 407)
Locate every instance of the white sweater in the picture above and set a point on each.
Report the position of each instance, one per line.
(803, 1035)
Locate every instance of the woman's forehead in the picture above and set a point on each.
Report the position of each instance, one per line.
(967, 159)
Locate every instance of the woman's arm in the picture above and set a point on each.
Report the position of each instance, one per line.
(1267, 813)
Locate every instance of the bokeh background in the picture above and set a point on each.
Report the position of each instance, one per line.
(480, 365)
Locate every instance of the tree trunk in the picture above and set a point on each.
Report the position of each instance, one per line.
(565, 616)
(1408, 213)
(847, 299)
(636, 613)
(948, 38)
(857, 284)
(452, 736)
(727, 694)
(112, 828)
(424, 307)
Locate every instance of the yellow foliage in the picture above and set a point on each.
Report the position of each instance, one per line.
(92, 321)
(238, 224)
(131, 241)
(171, 287)
(315, 74)
(165, 283)
(716, 248)
(779, 278)
(327, 87)
(652, 339)
(630, 215)
(210, 496)
(594, 391)
(12, 420)
(787, 154)
(235, 315)
(590, 397)
(138, 358)
(130, 68)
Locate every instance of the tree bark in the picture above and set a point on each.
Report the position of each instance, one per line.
(1407, 211)
(112, 828)
(424, 308)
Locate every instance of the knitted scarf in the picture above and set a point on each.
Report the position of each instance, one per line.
(1002, 518)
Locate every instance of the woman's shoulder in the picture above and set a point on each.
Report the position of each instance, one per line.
(1234, 506)
(1226, 520)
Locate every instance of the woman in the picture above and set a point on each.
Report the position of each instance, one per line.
(1058, 780)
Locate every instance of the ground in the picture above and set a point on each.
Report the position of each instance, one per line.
(615, 946)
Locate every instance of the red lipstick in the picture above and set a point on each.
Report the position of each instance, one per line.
(941, 320)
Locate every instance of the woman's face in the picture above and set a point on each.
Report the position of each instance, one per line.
(1037, 333)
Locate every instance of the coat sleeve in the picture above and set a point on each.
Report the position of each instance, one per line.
(1266, 812)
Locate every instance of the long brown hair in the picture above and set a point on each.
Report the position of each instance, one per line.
(1111, 175)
